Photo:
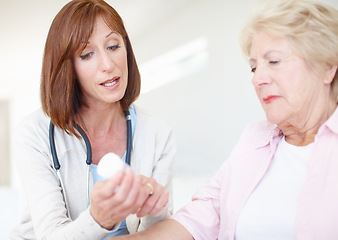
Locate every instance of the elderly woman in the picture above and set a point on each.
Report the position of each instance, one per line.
(89, 82)
(280, 181)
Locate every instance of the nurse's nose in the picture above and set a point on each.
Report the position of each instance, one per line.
(106, 62)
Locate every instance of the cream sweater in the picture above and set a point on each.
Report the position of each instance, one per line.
(45, 216)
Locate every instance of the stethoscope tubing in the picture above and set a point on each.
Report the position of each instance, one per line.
(129, 137)
(56, 162)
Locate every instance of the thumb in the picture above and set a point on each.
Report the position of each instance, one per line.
(109, 186)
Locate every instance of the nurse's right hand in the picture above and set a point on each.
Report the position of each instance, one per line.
(112, 200)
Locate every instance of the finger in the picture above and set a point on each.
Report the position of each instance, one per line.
(123, 189)
(152, 200)
(139, 193)
(113, 182)
(160, 204)
(134, 201)
(99, 198)
(151, 188)
(105, 189)
(149, 184)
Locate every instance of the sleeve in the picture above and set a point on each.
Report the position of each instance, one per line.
(201, 217)
(42, 187)
(163, 175)
(160, 169)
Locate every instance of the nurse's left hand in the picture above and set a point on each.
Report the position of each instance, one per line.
(157, 197)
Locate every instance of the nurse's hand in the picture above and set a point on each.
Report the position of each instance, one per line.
(157, 197)
(114, 199)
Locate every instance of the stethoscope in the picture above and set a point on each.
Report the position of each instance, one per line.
(56, 162)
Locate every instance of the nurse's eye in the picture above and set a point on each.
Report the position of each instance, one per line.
(86, 56)
(253, 69)
(113, 47)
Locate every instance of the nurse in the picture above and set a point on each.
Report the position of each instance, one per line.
(89, 80)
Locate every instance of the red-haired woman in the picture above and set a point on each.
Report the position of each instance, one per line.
(89, 82)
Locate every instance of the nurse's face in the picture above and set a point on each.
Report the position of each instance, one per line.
(102, 68)
(285, 85)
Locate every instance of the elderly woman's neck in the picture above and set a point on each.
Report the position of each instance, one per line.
(303, 133)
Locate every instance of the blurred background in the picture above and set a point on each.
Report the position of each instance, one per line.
(194, 78)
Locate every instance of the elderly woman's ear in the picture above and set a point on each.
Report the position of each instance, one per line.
(330, 72)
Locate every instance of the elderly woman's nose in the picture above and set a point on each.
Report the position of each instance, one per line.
(261, 77)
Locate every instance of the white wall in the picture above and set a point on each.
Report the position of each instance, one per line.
(207, 109)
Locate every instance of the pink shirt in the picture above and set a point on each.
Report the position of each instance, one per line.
(215, 207)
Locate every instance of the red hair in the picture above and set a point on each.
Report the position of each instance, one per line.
(61, 96)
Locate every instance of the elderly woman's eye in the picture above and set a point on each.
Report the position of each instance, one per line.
(274, 61)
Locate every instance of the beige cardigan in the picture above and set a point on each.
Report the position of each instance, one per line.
(45, 217)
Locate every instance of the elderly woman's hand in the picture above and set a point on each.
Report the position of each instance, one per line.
(114, 199)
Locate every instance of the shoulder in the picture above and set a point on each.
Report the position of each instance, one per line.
(147, 122)
(253, 147)
(30, 136)
(152, 136)
(34, 121)
(258, 134)
(260, 129)
(34, 126)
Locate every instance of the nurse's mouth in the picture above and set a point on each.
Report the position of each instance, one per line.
(110, 83)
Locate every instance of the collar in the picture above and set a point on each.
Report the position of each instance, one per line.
(266, 134)
(269, 133)
(331, 123)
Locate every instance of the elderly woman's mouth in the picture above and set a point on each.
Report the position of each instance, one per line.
(270, 98)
